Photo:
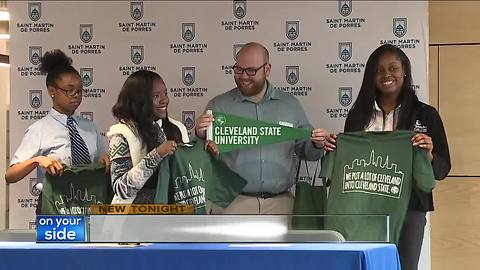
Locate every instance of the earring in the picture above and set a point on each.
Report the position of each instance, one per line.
(52, 96)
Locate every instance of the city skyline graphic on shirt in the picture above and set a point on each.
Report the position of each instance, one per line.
(75, 195)
(378, 176)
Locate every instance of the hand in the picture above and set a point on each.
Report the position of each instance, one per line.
(330, 143)
(106, 163)
(202, 124)
(53, 166)
(211, 147)
(318, 137)
(423, 141)
(167, 148)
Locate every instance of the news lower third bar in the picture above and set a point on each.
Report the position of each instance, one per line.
(141, 209)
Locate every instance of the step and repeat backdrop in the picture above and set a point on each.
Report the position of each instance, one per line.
(318, 51)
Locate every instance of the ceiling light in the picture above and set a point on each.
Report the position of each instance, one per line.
(4, 15)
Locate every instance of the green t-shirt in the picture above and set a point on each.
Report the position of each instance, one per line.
(191, 175)
(373, 173)
(77, 189)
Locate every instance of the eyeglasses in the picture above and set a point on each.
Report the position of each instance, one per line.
(250, 71)
(71, 92)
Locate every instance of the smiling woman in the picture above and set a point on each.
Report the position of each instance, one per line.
(387, 102)
(144, 136)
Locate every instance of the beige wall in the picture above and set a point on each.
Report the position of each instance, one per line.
(4, 88)
(454, 90)
(4, 101)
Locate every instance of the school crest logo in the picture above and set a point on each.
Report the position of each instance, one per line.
(419, 127)
(345, 51)
(239, 8)
(345, 7)
(34, 54)
(35, 11)
(87, 76)
(292, 74)
(86, 32)
(399, 27)
(345, 96)
(136, 10)
(188, 119)
(87, 115)
(188, 31)
(34, 190)
(236, 49)
(291, 29)
(35, 97)
(137, 54)
(188, 75)
(221, 120)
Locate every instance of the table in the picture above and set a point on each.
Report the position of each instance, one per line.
(351, 256)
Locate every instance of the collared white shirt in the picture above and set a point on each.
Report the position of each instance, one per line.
(49, 137)
(383, 121)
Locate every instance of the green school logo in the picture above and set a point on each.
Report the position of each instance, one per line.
(377, 176)
(221, 120)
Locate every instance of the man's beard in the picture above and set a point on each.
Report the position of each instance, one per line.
(253, 87)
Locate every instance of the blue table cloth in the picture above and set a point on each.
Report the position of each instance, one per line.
(351, 256)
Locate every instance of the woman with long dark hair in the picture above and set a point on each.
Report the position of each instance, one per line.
(142, 138)
(387, 102)
(61, 137)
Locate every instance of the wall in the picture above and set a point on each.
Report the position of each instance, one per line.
(454, 57)
(4, 100)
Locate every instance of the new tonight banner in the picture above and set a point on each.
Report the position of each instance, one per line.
(232, 132)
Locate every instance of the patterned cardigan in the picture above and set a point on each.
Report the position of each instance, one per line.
(131, 165)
